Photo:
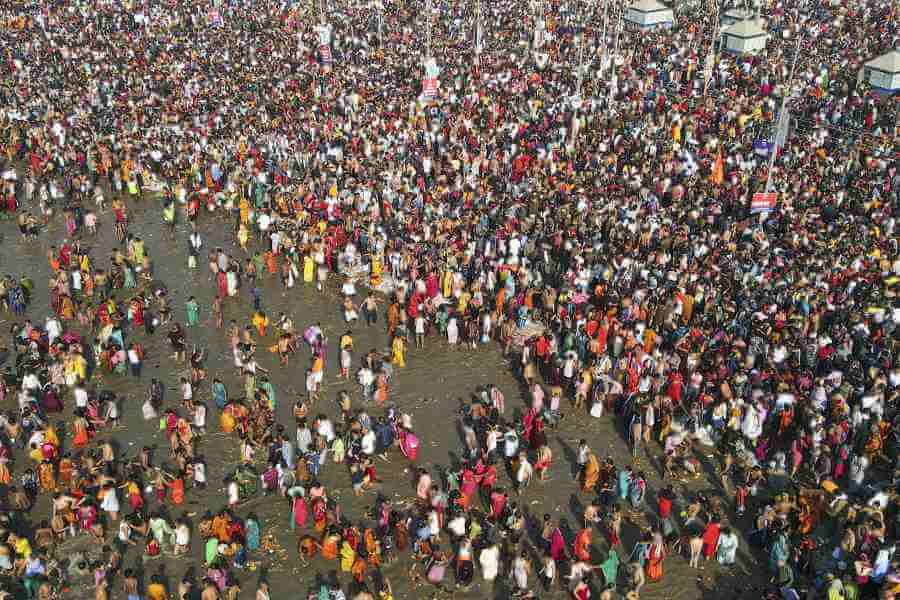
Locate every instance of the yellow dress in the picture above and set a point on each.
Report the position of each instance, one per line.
(348, 557)
(377, 269)
(309, 268)
(398, 346)
(244, 207)
(51, 436)
(447, 284)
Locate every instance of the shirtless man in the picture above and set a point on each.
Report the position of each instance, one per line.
(184, 589)
(130, 584)
(210, 592)
(100, 590)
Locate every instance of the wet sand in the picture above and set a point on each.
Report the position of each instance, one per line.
(437, 372)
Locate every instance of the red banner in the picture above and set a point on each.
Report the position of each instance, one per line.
(763, 202)
(429, 87)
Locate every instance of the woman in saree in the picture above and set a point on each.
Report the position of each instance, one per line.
(373, 548)
(307, 548)
(222, 283)
(320, 515)
(557, 545)
(409, 444)
(468, 487)
(299, 510)
(348, 556)
(47, 476)
(136, 311)
(329, 546)
(780, 551)
(252, 532)
(590, 472)
(66, 470)
(80, 427)
(66, 308)
(582, 545)
(656, 554)
(376, 270)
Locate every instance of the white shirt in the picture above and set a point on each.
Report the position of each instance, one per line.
(81, 397)
(200, 416)
(326, 430)
(31, 382)
(489, 560)
(457, 525)
(182, 535)
(368, 443)
(365, 377)
(199, 472)
(53, 329)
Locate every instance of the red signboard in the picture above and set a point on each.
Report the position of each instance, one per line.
(429, 87)
(763, 202)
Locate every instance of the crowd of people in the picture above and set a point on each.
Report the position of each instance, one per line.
(578, 200)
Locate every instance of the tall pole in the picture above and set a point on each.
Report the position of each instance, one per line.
(782, 114)
(612, 59)
(711, 55)
(581, 60)
(578, 102)
(603, 34)
(478, 40)
(380, 25)
(428, 16)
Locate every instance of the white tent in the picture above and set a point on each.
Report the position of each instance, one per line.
(745, 37)
(649, 13)
(736, 15)
(883, 73)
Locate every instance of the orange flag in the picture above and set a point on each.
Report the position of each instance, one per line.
(718, 171)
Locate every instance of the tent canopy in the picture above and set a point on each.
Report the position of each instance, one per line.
(889, 62)
(648, 6)
(745, 29)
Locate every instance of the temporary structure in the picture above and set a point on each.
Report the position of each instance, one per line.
(883, 73)
(736, 15)
(647, 14)
(745, 37)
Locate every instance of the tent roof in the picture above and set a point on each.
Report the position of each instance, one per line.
(889, 62)
(646, 6)
(743, 13)
(745, 29)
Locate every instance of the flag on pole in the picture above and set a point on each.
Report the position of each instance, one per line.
(763, 202)
(717, 176)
